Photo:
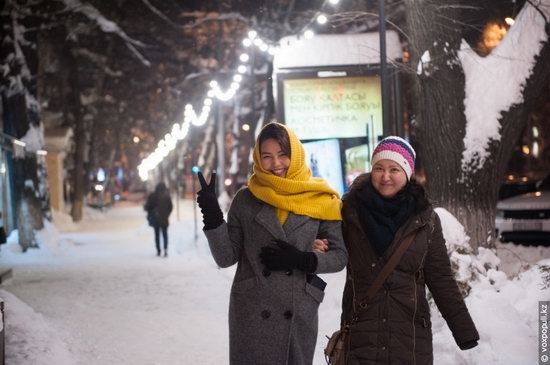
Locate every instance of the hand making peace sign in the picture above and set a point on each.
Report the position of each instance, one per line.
(212, 215)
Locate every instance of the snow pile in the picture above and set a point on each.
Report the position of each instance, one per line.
(468, 267)
(91, 214)
(31, 338)
(506, 319)
(504, 311)
(63, 221)
(34, 138)
(12, 243)
(48, 237)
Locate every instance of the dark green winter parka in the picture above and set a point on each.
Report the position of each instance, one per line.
(396, 328)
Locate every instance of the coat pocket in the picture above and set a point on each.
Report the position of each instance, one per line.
(244, 285)
(316, 293)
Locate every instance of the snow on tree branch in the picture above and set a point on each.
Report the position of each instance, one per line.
(34, 138)
(221, 17)
(99, 60)
(15, 81)
(160, 14)
(495, 83)
(107, 26)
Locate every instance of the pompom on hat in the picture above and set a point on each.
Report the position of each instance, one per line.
(397, 150)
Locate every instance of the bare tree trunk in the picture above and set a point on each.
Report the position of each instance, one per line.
(79, 141)
(24, 174)
(470, 195)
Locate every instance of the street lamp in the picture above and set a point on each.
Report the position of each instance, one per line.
(383, 68)
(194, 170)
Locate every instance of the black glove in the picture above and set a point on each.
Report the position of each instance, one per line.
(286, 257)
(212, 215)
(468, 345)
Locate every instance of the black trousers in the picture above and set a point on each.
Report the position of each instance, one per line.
(158, 230)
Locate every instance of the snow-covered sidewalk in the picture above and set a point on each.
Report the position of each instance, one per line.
(109, 300)
(99, 295)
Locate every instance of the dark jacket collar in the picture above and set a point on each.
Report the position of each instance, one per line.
(350, 214)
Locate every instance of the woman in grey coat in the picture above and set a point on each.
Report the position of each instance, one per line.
(270, 229)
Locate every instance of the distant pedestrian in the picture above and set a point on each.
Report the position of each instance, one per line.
(158, 207)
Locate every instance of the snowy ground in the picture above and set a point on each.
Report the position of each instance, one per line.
(97, 294)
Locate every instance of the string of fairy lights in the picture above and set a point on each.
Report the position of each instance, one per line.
(190, 116)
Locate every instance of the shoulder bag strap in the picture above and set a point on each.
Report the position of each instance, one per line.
(387, 270)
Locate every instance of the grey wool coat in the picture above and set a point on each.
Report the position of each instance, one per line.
(272, 315)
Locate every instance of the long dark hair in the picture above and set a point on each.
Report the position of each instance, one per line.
(277, 132)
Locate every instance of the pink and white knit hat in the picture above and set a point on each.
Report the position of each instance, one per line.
(397, 150)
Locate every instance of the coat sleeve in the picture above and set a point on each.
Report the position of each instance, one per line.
(336, 258)
(226, 241)
(440, 280)
(170, 205)
(150, 204)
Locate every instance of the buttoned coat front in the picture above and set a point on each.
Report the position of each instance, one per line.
(272, 315)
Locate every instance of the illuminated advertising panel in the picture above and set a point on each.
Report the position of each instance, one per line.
(324, 160)
(357, 162)
(337, 107)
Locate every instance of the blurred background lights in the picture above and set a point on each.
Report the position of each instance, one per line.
(308, 34)
(100, 175)
(322, 19)
(190, 117)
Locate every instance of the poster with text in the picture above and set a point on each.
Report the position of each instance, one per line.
(340, 107)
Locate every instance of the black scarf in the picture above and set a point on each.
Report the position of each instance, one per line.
(380, 217)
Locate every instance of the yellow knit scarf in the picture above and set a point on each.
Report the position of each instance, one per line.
(298, 192)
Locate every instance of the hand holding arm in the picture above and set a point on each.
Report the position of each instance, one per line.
(320, 245)
(286, 257)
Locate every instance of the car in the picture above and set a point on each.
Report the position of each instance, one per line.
(525, 218)
(516, 185)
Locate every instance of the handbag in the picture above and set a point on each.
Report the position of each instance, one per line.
(152, 218)
(335, 352)
(336, 349)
